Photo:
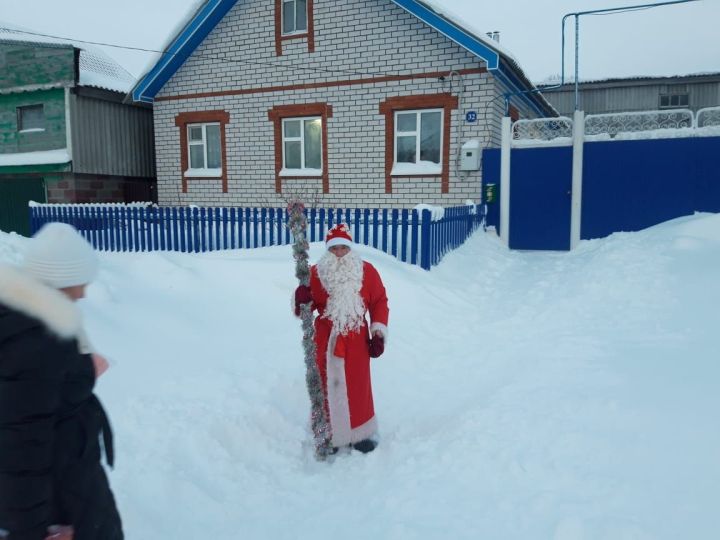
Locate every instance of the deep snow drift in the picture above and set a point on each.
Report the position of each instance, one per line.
(563, 396)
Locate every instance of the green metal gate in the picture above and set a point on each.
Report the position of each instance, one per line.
(15, 193)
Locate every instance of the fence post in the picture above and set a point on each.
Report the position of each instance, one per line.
(33, 219)
(425, 240)
(505, 149)
(195, 220)
(577, 178)
(414, 237)
(263, 225)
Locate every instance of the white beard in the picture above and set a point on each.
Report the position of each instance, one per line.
(342, 279)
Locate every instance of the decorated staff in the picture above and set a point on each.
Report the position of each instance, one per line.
(318, 417)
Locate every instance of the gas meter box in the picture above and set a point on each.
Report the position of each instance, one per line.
(470, 158)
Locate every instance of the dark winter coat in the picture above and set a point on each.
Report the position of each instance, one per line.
(50, 420)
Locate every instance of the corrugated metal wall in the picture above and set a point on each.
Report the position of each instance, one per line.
(629, 98)
(112, 138)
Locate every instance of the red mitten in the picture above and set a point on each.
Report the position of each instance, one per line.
(376, 346)
(302, 296)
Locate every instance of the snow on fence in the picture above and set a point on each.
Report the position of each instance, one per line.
(413, 236)
(619, 126)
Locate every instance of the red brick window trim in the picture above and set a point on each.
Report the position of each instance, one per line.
(447, 102)
(283, 112)
(308, 35)
(182, 121)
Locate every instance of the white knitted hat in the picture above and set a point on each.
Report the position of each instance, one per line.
(60, 257)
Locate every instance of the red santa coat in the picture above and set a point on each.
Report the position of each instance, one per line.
(344, 360)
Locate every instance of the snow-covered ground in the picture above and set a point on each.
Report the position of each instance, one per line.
(561, 396)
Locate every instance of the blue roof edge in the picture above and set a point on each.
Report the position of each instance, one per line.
(209, 15)
(512, 83)
(452, 31)
(502, 70)
(194, 32)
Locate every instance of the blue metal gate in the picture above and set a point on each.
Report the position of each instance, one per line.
(540, 197)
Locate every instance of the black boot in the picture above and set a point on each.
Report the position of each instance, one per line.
(365, 446)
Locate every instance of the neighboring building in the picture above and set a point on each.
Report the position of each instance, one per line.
(359, 102)
(692, 92)
(65, 133)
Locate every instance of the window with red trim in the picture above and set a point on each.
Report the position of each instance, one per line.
(417, 137)
(301, 142)
(203, 152)
(294, 20)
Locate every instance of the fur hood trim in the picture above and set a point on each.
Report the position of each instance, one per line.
(34, 299)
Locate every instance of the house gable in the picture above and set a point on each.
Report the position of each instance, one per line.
(175, 55)
(212, 12)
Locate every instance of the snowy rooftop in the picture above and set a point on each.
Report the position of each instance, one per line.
(97, 69)
(555, 79)
(465, 19)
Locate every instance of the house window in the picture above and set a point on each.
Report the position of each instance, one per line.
(418, 142)
(294, 17)
(203, 154)
(31, 118)
(204, 149)
(302, 146)
(294, 21)
(417, 137)
(301, 143)
(674, 101)
(674, 96)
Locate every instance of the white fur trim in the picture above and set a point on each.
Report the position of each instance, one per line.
(379, 327)
(339, 241)
(342, 433)
(337, 396)
(34, 299)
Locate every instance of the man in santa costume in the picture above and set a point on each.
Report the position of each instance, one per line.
(343, 289)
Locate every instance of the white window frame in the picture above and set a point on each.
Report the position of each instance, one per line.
(302, 171)
(22, 108)
(205, 171)
(416, 168)
(674, 97)
(285, 3)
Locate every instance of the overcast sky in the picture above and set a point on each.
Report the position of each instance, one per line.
(669, 40)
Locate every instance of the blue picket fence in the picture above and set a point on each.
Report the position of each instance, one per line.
(410, 235)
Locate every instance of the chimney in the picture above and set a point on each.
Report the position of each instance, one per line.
(494, 35)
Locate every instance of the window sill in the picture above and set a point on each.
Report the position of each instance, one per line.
(411, 169)
(203, 173)
(32, 130)
(295, 35)
(305, 173)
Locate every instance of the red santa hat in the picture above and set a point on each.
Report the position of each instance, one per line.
(339, 235)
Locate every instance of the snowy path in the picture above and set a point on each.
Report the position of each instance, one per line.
(522, 395)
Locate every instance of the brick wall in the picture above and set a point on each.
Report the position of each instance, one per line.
(366, 51)
(82, 188)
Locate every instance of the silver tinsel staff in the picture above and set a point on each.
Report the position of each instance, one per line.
(322, 435)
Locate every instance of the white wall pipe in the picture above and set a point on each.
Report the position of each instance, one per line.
(505, 148)
(577, 178)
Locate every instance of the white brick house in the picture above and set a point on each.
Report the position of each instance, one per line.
(363, 102)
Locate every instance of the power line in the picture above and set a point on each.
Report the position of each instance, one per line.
(293, 67)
